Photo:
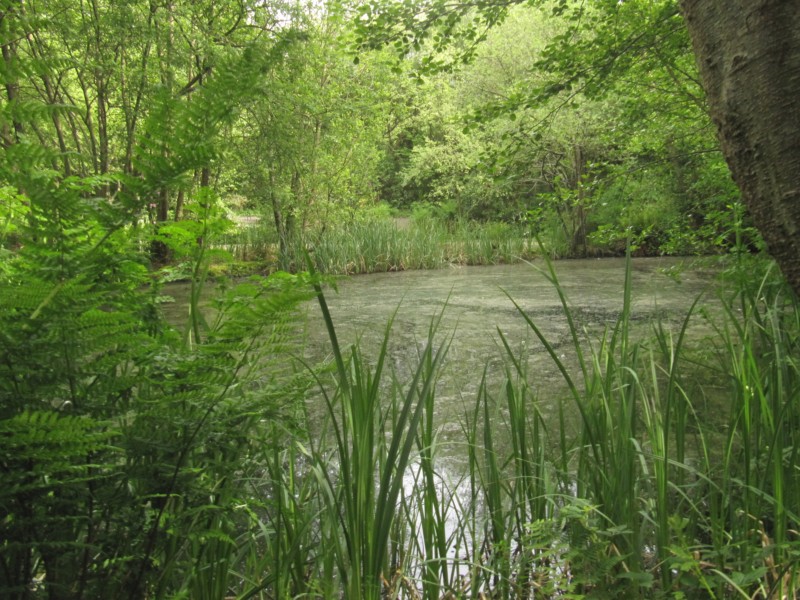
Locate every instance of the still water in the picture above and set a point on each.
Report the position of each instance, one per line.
(476, 302)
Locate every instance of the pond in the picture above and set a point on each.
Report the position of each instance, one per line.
(475, 303)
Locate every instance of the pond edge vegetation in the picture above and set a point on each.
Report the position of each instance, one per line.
(230, 488)
(139, 460)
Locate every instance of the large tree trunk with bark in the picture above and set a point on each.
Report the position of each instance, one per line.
(748, 53)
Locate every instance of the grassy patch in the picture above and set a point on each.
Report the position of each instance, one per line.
(379, 245)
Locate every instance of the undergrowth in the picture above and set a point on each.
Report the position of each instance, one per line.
(145, 461)
(139, 460)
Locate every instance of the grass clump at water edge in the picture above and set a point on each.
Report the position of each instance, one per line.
(378, 245)
(648, 498)
(660, 490)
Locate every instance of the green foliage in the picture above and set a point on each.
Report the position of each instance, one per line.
(54, 465)
(586, 121)
(408, 27)
(700, 499)
(314, 128)
(141, 460)
(121, 439)
(366, 510)
(13, 211)
(138, 434)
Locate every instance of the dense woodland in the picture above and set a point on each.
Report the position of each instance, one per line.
(585, 127)
(144, 141)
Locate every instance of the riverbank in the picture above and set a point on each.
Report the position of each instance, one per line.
(389, 245)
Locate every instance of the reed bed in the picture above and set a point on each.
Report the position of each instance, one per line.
(660, 491)
(252, 241)
(378, 245)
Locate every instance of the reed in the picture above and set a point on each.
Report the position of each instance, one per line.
(759, 497)
(255, 241)
(379, 246)
(636, 464)
(660, 489)
(372, 455)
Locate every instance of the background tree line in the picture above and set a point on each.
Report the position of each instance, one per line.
(588, 128)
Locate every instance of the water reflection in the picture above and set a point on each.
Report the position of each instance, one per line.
(473, 304)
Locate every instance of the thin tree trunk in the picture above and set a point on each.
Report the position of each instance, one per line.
(12, 88)
(51, 97)
(159, 251)
(284, 226)
(89, 122)
(102, 123)
(101, 89)
(579, 231)
(179, 204)
(132, 111)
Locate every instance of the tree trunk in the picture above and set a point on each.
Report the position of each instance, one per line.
(12, 89)
(179, 205)
(579, 220)
(133, 93)
(101, 92)
(748, 53)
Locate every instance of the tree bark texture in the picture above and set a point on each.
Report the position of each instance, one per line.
(748, 53)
